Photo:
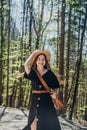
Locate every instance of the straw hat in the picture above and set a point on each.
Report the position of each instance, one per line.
(33, 56)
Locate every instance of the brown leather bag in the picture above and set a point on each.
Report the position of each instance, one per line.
(57, 102)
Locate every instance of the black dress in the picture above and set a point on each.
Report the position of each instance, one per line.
(41, 104)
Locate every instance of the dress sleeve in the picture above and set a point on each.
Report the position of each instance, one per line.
(30, 75)
(54, 81)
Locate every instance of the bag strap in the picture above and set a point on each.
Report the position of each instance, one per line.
(43, 81)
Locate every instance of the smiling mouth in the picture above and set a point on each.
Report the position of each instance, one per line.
(41, 64)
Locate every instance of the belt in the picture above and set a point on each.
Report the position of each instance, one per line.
(40, 91)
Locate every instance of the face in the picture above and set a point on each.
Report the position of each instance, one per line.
(41, 61)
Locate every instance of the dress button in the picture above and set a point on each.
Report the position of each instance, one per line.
(38, 98)
(37, 105)
(40, 86)
(36, 112)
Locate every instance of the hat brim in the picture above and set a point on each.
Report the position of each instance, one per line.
(33, 56)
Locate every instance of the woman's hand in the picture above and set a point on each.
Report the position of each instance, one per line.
(53, 95)
(21, 75)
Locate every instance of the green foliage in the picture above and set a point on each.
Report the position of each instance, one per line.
(19, 51)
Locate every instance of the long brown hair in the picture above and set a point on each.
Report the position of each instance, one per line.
(47, 66)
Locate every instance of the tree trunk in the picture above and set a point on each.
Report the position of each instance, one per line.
(58, 38)
(85, 115)
(61, 62)
(21, 59)
(38, 31)
(76, 102)
(1, 50)
(30, 2)
(40, 25)
(8, 50)
(67, 62)
(78, 67)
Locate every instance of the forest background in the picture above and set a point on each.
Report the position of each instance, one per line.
(59, 26)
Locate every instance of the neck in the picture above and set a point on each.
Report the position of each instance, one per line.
(40, 69)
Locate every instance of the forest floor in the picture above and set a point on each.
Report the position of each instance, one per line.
(16, 119)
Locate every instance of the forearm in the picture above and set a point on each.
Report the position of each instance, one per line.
(21, 75)
(27, 67)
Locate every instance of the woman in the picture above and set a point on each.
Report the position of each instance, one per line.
(42, 115)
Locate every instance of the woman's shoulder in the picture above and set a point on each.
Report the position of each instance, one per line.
(51, 73)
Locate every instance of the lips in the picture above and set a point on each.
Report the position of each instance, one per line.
(41, 64)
